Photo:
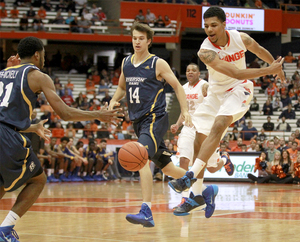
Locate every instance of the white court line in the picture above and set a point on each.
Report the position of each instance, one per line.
(74, 237)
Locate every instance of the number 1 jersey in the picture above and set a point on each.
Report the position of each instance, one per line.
(145, 94)
(16, 98)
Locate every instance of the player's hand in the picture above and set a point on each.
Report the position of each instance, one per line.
(110, 116)
(113, 104)
(42, 131)
(187, 119)
(174, 128)
(276, 69)
(14, 60)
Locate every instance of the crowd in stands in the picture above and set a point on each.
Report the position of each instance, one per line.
(78, 20)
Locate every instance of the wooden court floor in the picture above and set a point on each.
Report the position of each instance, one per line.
(80, 212)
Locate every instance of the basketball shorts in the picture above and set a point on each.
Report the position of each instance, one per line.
(185, 143)
(18, 163)
(234, 102)
(150, 132)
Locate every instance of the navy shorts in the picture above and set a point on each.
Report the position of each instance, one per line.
(18, 163)
(150, 132)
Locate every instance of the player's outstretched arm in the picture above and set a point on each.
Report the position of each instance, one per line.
(260, 52)
(39, 129)
(211, 59)
(39, 81)
(164, 71)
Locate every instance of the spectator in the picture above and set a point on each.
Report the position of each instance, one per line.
(58, 131)
(88, 132)
(70, 18)
(268, 108)
(42, 13)
(234, 135)
(3, 13)
(59, 19)
(71, 6)
(31, 13)
(254, 106)
(103, 87)
(254, 64)
(238, 147)
(24, 23)
(271, 90)
(61, 6)
(46, 107)
(262, 136)
(205, 3)
(95, 100)
(14, 13)
(268, 126)
(297, 134)
(96, 77)
(258, 4)
(285, 99)
(265, 82)
(85, 104)
(140, 17)
(106, 98)
(2, 3)
(150, 17)
(103, 133)
(74, 25)
(58, 86)
(289, 58)
(159, 23)
(289, 113)
(221, 3)
(291, 6)
(282, 145)
(67, 98)
(283, 126)
(271, 150)
(293, 151)
(277, 104)
(263, 167)
(79, 100)
(82, 10)
(249, 132)
(84, 25)
(252, 146)
(70, 87)
(47, 5)
(168, 23)
(101, 16)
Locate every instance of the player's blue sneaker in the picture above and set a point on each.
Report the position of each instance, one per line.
(88, 178)
(229, 167)
(64, 178)
(76, 178)
(190, 204)
(209, 195)
(144, 217)
(8, 234)
(52, 179)
(183, 183)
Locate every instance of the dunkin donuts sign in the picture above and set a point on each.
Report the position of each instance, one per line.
(242, 19)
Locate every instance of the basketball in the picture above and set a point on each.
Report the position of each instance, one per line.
(133, 156)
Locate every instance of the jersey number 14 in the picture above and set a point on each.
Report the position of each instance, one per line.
(134, 95)
(4, 102)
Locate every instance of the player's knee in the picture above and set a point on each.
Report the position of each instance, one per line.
(184, 163)
(212, 169)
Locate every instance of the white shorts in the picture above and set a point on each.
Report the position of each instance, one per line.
(234, 102)
(185, 147)
(185, 144)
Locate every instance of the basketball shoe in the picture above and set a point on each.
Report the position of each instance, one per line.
(183, 183)
(229, 167)
(183, 199)
(52, 178)
(209, 195)
(190, 204)
(8, 234)
(144, 217)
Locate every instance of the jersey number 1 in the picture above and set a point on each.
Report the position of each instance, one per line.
(134, 95)
(8, 88)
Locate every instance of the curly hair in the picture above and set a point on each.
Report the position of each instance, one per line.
(28, 46)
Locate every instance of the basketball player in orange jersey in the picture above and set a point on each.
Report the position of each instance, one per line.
(19, 89)
(142, 80)
(196, 90)
(229, 93)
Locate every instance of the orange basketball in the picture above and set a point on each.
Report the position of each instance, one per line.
(133, 156)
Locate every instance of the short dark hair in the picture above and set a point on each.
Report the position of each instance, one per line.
(215, 12)
(193, 64)
(28, 46)
(143, 28)
(64, 139)
(103, 141)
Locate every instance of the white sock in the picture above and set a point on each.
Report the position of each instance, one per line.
(61, 171)
(185, 193)
(11, 219)
(148, 203)
(49, 172)
(197, 187)
(197, 167)
(84, 173)
(224, 160)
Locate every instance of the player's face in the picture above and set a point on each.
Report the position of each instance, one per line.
(214, 29)
(192, 74)
(140, 42)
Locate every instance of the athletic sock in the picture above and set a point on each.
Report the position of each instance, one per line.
(197, 167)
(11, 219)
(185, 193)
(197, 187)
(148, 203)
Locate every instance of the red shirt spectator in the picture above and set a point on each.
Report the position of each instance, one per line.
(67, 99)
(42, 13)
(3, 13)
(258, 4)
(14, 13)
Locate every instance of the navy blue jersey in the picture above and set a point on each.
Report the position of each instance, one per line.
(16, 98)
(145, 94)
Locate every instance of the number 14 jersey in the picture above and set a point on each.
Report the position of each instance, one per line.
(145, 94)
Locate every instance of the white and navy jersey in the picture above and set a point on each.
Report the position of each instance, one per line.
(145, 94)
(194, 95)
(16, 98)
(234, 53)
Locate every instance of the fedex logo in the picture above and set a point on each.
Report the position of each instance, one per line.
(192, 96)
(234, 57)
